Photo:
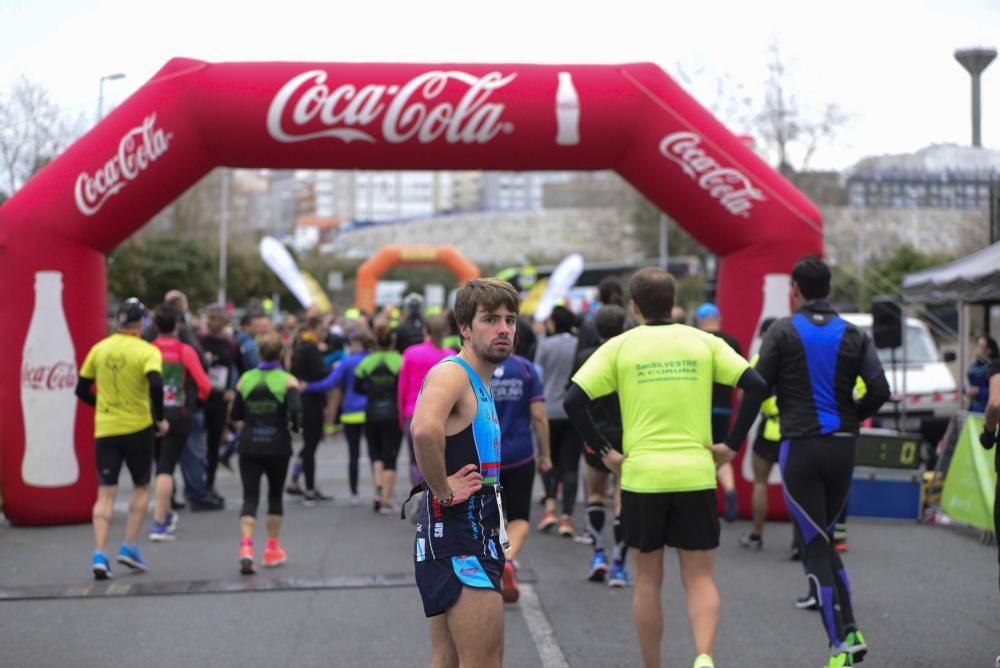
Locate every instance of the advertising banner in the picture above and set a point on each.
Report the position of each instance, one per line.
(970, 487)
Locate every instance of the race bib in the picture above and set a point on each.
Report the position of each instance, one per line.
(504, 542)
(219, 377)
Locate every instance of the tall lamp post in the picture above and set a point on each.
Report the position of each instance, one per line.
(100, 94)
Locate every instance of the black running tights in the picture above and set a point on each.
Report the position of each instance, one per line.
(313, 406)
(817, 478)
(252, 468)
(566, 449)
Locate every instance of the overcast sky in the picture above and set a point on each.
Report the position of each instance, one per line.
(888, 64)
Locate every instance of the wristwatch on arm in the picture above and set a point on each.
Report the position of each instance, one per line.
(448, 500)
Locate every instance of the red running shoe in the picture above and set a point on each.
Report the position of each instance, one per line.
(274, 555)
(247, 566)
(548, 521)
(508, 583)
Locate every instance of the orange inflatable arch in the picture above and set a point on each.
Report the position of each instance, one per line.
(391, 256)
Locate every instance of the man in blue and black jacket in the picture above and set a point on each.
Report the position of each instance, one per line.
(813, 360)
(990, 437)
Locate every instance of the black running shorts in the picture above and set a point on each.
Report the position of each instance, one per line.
(440, 581)
(593, 458)
(135, 450)
(516, 491)
(767, 450)
(167, 449)
(684, 520)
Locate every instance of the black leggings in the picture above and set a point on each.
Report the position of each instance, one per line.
(252, 467)
(313, 405)
(516, 484)
(167, 449)
(353, 433)
(215, 424)
(566, 448)
(817, 478)
(383, 437)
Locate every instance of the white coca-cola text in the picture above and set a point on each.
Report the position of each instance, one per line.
(731, 187)
(57, 376)
(137, 150)
(348, 112)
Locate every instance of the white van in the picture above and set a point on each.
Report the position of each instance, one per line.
(932, 396)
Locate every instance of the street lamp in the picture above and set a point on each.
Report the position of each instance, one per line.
(100, 95)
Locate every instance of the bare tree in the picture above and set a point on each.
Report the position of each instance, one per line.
(33, 131)
(788, 132)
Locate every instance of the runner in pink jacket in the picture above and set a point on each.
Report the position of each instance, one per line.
(417, 362)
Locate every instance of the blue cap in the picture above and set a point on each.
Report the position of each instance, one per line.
(707, 310)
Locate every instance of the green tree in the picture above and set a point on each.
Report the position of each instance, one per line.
(690, 292)
(126, 266)
(845, 287)
(147, 268)
(885, 277)
(247, 276)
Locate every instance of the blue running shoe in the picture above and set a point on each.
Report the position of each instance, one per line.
(619, 576)
(130, 557)
(171, 521)
(598, 566)
(162, 533)
(101, 567)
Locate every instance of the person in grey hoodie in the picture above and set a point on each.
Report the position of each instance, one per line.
(555, 355)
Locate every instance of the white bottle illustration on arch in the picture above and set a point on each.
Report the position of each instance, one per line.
(48, 380)
(777, 304)
(567, 111)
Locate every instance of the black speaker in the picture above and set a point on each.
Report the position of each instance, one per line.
(887, 322)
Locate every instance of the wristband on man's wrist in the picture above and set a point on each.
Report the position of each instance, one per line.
(448, 500)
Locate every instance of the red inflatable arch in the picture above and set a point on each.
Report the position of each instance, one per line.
(390, 256)
(193, 116)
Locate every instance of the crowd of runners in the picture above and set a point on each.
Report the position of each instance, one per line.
(487, 400)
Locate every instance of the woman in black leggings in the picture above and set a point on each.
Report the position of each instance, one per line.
(350, 404)
(308, 364)
(267, 405)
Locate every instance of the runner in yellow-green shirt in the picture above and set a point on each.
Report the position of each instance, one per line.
(127, 371)
(663, 374)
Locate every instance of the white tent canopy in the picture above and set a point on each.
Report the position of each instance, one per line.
(972, 279)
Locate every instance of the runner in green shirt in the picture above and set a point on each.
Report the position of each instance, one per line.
(663, 374)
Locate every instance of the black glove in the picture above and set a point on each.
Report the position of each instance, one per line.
(294, 422)
(988, 439)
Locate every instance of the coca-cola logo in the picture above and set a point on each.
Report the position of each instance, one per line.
(57, 376)
(731, 187)
(349, 113)
(138, 149)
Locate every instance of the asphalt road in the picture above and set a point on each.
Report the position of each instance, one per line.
(925, 596)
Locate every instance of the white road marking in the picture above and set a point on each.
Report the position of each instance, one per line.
(541, 630)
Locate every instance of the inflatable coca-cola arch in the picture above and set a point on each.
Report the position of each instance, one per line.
(193, 116)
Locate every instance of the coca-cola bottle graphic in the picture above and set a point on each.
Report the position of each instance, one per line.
(777, 303)
(777, 297)
(48, 378)
(567, 112)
